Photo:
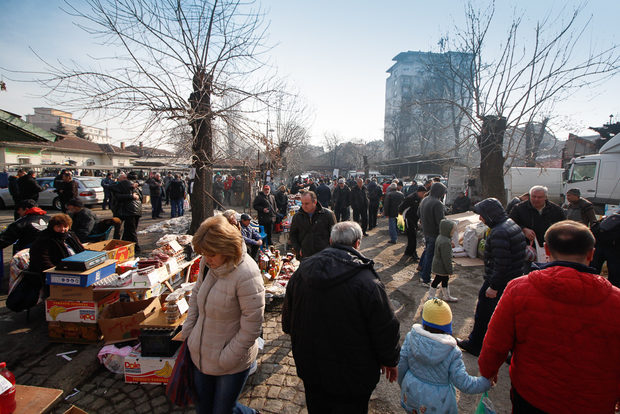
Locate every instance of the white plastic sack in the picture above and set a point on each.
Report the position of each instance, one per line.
(541, 254)
(470, 242)
(113, 358)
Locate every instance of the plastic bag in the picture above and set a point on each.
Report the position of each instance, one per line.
(541, 254)
(485, 406)
(113, 358)
(400, 221)
(470, 242)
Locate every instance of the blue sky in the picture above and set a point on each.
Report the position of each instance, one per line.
(334, 52)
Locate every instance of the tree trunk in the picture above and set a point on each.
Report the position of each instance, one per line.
(533, 141)
(490, 142)
(202, 149)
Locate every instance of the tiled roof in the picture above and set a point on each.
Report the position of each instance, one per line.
(149, 151)
(71, 142)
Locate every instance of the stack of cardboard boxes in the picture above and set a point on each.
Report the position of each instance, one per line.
(74, 306)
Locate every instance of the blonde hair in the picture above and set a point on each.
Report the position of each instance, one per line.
(216, 235)
(229, 213)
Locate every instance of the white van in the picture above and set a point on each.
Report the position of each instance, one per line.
(597, 176)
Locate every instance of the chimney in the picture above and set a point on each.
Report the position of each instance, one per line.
(140, 144)
(122, 145)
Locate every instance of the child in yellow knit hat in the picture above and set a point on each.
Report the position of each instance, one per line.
(431, 364)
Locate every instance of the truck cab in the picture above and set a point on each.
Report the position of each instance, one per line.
(597, 176)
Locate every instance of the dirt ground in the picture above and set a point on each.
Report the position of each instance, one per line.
(408, 296)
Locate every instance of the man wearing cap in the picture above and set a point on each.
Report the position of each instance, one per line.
(342, 326)
(251, 237)
(578, 208)
(342, 201)
(562, 324)
(310, 227)
(84, 219)
(265, 205)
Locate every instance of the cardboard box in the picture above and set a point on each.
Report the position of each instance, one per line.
(73, 332)
(83, 279)
(119, 250)
(120, 321)
(150, 279)
(75, 410)
(148, 370)
(75, 293)
(75, 310)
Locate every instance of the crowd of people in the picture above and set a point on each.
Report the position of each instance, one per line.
(550, 316)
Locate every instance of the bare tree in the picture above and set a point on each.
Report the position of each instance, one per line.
(332, 143)
(522, 85)
(192, 63)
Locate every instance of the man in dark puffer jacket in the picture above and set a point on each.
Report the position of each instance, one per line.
(311, 227)
(342, 326)
(504, 254)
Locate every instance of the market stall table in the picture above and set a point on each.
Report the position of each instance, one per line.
(35, 400)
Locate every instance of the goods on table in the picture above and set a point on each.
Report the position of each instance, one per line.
(276, 270)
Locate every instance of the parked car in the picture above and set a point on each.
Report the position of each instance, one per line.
(90, 193)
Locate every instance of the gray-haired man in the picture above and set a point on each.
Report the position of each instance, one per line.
(342, 326)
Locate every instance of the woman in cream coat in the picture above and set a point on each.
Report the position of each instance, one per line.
(225, 317)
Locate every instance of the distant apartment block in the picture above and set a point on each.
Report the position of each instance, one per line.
(47, 119)
(418, 118)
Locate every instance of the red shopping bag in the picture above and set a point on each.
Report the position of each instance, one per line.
(180, 389)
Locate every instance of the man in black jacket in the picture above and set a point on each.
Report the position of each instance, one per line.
(374, 198)
(535, 216)
(84, 219)
(22, 232)
(393, 198)
(359, 203)
(14, 190)
(323, 194)
(409, 209)
(342, 201)
(504, 255)
(29, 189)
(342, 326)
(67, 190)
(311, 227)
(127, 206)
(155, 190)
(266, 207)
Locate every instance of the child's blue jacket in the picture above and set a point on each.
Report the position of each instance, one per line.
(430, 366)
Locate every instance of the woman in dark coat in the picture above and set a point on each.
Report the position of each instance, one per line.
(53, 244)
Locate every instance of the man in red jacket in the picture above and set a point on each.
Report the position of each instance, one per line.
(562, 323)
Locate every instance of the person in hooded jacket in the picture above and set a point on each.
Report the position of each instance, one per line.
(342, 326)
(431, 212)
(562, 324)
(23, 231)
(504, 255)
(442, 261)
(431, 365)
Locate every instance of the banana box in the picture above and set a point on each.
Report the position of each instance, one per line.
(57, 310)
(148, 370)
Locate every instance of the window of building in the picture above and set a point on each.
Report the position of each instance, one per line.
(23, 161)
